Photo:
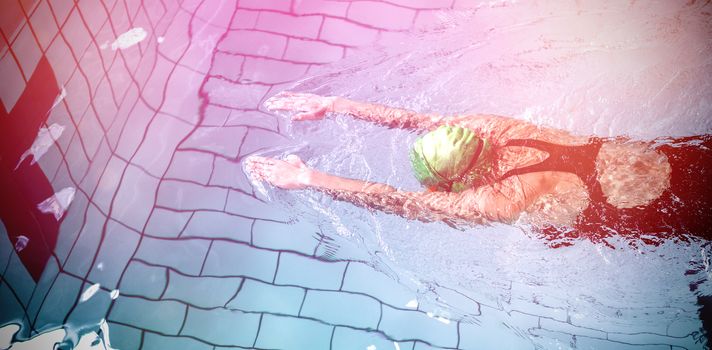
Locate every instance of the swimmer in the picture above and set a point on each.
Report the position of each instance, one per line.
(486, 168)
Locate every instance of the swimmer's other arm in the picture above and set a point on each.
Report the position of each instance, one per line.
(477, 206)
(315, 107)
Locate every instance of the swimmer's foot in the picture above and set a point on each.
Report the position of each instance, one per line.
(289, 174)
(310, 106)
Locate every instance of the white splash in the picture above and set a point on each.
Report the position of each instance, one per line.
(160, 39)
(44, 140)
(130, 38)
(58, 203)
(6, 333)
(59, 98)
(114, 294)
(371, 347)
(104, 45)
(443, 320)
(100, 266)
(21, 243)
(89, 292)
(413, 304)
(395, 345)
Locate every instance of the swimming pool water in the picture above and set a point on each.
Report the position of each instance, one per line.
(139, 115)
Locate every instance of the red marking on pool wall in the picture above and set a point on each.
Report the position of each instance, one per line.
(22, 189)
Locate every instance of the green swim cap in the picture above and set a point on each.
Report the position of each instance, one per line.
(449, 158)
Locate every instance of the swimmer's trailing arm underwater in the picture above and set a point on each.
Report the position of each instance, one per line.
(482, 168)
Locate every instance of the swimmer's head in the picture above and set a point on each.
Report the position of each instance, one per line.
(449, 158)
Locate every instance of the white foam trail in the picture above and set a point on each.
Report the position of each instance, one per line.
(130, 38)
(59, 98)
(44, 140)
(6, 333)
(89, 292)
(114, 294)
(21, 243)
(58, 203)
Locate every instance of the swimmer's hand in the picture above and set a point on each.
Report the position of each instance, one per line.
(310, 106)
(289, 174)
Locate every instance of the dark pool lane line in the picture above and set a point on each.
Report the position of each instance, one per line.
(22, 189)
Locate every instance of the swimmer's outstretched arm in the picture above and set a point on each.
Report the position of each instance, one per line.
(315, 107)
(478, 206)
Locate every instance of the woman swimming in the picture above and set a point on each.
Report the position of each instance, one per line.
(483, 168)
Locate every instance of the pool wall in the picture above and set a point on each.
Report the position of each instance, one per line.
(153, 139)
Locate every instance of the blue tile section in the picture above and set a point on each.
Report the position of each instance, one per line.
(364, 279)
(184, 255)
(159, 316)
(144, 280)
(233, 259)
(351, 339)
(119, 244)
(222, 327)
(290, 333)
(342, 308)
(412, 325)
(299, 236)
(258, 296)
(206, 292)
(309, 272)
(154, 341)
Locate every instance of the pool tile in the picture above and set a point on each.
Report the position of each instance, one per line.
(265, 5)
(219, 14)
(493, 332)
(232, 259)
(27, 51)
(351, 339)
(269, 71)
(184, 255)
(162, 137)
(254, 43)
(244, 19)
(96, 168)
(47, 278)
(138, 118)
(108, 184)
(258, 296)
(292, 26)
(87, 243)
(224, 141)
(229, 173)
(239, 203)
(381, 15)
(343, 32)
(14, 85)
(342, 308)
(143, 280)
(408, 325)
(159, 316)
(16, 275)
(153, 341)
(189, 196)
(298, 236)
(124, 337)
(116, 250)
(211, 224)
(319, 7)
(311, 51)
(309, 272)
(59, 301)
(237, 96)
(191, 166)
(222, 327)
(205, 292)
(362, 278)
(135, 198)
(69, 229)
(289, 333)
(80, 38)
(183, 85)
(167, 223)
(93, 14)
(12, 309)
